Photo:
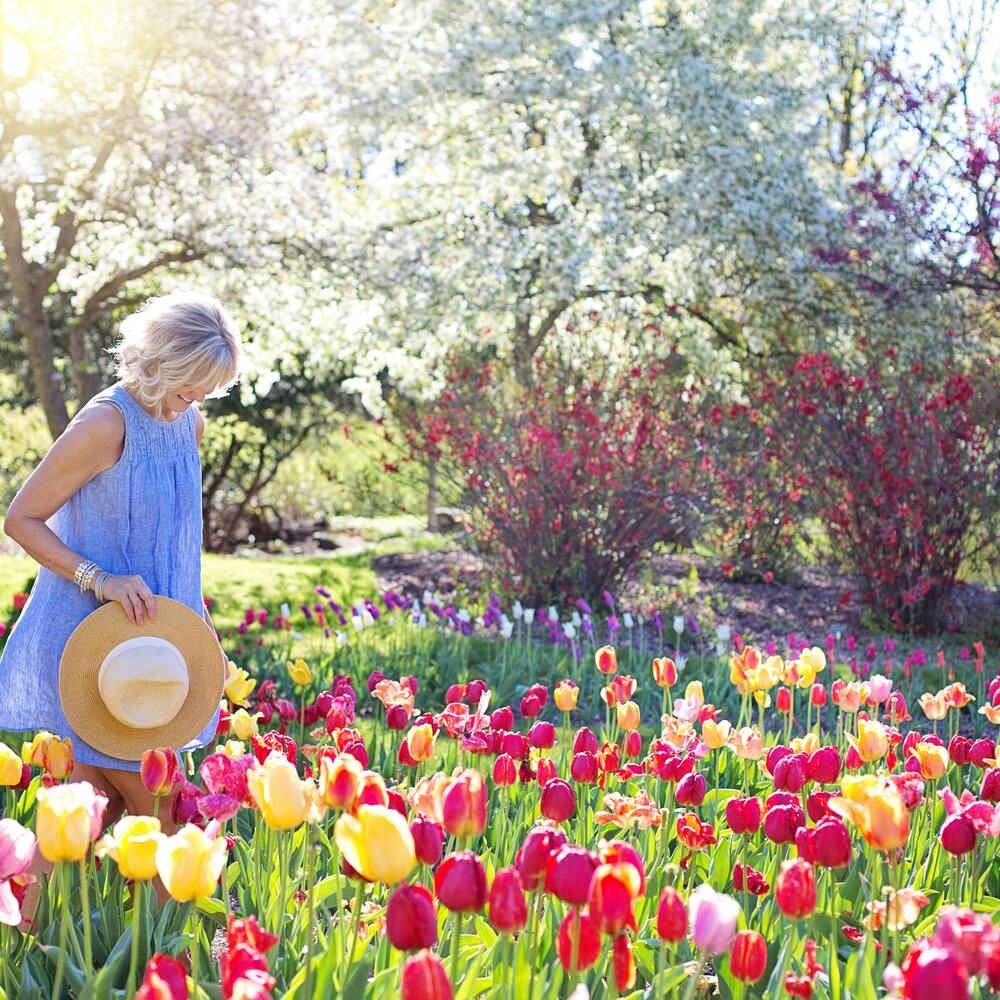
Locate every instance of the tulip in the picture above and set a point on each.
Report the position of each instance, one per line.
(300, 673)
(243, 724)
(460, 882)
(558, 801)
(781, 822)
(532, 860)
(565, 695)
(423, 977)
(936, 974)
(715, 734)
(989, 791)
(628, 715)
(542, 735)
(584, 768)
(17, 850)
(515, 745)
(165, 979)
(981, 751)
(712, 917)
(502, 719)
(463, 807)
(932, 760)
(428, 840)
(578, 926)
(340, 780)
(10, 767)
(795, 890)
(744, 815)
(504, 771)
(279, 793)
(691, 789)
(51, 753)
(872, 741)
(831, 843)
(397, 717)
(664, 671)
(508, 906)
(671, 916)
(159, 771)
(569, 873)
(824, 766)
(818, 696)
(790, 772)
(189, 863)
(623, 963)
(420, 742)
(585, 741)
(377, 843)
(751, 878)
(612, 892)
(958, 835)
(68, 818)
(133, 845)
(876, 807)
(410, 920)
(606, 660)
(545, 771)
(239, 685)
(748, 956)
(783, 701)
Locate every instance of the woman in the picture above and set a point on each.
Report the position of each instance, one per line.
(122, 486)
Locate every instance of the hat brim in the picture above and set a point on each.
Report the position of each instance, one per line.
(91, 642)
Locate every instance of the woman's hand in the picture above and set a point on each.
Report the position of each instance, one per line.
(133, 595)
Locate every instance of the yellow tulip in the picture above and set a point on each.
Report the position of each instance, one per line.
(10, 766)
(565, 696)
(808, 744)
(377, 843)
(278, 792)
(933, 759)
(243, 724)
(420, 742)
(51, 753)
(33, 753)
(747, 743)
(872, 741)
(628, 715)
(935, 706)
(133, 846)
(68, 819)
(873, 804)
(239, 685)
(190, 863)
(300, 673)
(715, 734)
(813, 659)
(232, 748)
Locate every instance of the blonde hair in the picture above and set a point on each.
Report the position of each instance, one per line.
(176, 340)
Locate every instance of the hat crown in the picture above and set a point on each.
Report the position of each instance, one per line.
(144, 682)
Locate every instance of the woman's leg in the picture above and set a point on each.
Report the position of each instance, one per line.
(39, 866)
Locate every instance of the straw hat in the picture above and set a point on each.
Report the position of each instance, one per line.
(130, 688)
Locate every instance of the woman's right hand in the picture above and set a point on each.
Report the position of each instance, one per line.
(131, 592)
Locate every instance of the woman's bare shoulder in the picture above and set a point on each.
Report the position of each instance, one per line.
(97, 431)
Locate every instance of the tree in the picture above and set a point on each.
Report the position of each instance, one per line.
(136, 138)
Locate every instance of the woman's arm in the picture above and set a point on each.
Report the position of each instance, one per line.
(91, 444)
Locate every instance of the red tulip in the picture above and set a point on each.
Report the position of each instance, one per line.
(753, 879)
(428, 840)
(613, 890)
(508, 907)
(558, 800)
(934, 974)
(542, 735)
(423, 978)
(633, 746)
(463, 806)
(410, 920)
(818, 695)
(397, 717)
(620, 851)
(790, 772)
(817, 805)
(504, 770)
(159, 771)
(515, 745)
(623, 963)
(831, 843)
(460, 882)
(165, 979)
(545, 771)
(958, 835)
(981, 751)
(532, 859)
(783, 700)
(989, 791)
(795, 890)
(744, 815)
(569, 872)
(589, 946)
(502, 718)
(584, 769)
(474, 690)
(671, 916)
(824, 766)
(531, 705)
(748, 956)
(960, 750)
(781, 822)
(585, 741)
(691, 789)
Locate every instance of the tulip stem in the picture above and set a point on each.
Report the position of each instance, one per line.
(310, 907)
(359, 894)
(61, 963)
(225, 875)
(661, 958)
(195, 928)
(456, 935)
(136, 918)
(575, 953)
(834, 955)
(693, 981)
(88, 953)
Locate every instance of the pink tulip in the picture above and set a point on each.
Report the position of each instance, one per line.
(17, 849)
(712, 918)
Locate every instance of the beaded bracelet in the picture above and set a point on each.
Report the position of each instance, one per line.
(84, 574)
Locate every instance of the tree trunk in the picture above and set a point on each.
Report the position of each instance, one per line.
(432, 493)
(33, 325)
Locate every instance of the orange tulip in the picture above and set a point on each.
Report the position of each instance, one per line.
(420, 742)
(340, 780)
(872, 741)
(606, 660)
(565, 695)
(873, 804)
(628, 715)
(933, 759)
(463, 806)
(664, 671)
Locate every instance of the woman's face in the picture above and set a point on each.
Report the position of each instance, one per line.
(176, 403)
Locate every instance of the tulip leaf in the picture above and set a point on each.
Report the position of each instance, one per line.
(356, 983)
(212, 908)
(73, 973)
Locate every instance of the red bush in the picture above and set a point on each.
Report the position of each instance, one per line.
(576, 478)
(902, 465)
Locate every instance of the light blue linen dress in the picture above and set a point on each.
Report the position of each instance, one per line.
(141, 516)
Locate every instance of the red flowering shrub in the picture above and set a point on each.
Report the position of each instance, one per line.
(902, 465)
(575, 478)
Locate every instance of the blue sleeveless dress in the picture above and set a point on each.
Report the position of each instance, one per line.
(141, 516)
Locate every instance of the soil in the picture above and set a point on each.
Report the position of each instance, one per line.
(811, 606)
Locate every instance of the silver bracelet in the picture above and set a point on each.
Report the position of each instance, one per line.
(102, 579)
(84, 572)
